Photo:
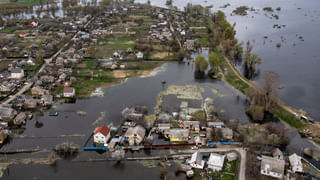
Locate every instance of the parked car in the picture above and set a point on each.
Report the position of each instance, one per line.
(194, 148)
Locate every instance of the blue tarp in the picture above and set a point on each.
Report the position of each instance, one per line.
(95, 148)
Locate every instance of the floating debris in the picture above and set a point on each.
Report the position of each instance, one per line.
(98, 92)
(148, 163)
(101, 117)
(192, 92)
(216, 92)
(81, 113)
(66, 148)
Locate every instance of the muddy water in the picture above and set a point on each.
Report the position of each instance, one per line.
(59, 12)
(106, 110)
(135, 91)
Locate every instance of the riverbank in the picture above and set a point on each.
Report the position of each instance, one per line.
(105, 78)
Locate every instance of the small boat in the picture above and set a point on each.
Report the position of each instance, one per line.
(53, 113)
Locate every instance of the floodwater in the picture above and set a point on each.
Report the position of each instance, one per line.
(297, 66)
(106, 109)
(134, 91)
(297, 61)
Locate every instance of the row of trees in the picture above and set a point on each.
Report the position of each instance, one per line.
(201, 65)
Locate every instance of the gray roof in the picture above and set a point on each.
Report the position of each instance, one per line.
(194, 124)
(272, 164)
(16, 70)
(277, 153)
(226, 132)
(138, 130)
(178, 133)
(6, 113)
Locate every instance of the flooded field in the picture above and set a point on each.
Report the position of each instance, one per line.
(296, 60)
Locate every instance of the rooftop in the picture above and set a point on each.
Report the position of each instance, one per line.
(102, 129)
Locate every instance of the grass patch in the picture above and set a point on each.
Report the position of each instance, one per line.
(86, 83)
(288, 117)
(230, 167)
(25, 2)
(90, 64)
(3, 66)
(227, 177)
(203, 41)
(237, 83)
(8, 30)
(56, 91)
(215, 174)
(242, 10)
(199, 115)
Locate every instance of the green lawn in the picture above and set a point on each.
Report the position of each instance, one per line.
(203, 41)
(25, 2)
(237, 83)
(8, 30)
(288, 117)
(230, 167)
(90, 64)
(227, 177)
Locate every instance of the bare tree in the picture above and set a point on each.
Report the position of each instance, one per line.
(267, 96)
(270, 89)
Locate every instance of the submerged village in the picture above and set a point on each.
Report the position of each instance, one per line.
(47, 61)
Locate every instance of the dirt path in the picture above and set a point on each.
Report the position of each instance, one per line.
(254, 86)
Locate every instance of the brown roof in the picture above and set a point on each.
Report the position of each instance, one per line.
(68, 89)
(103, 130)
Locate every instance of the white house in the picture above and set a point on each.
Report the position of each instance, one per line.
(101, 135)
(273, 167)
(69, 91)
(295, 163)
(17, 73)
(216, 161)
(139, 55)
(196, 161)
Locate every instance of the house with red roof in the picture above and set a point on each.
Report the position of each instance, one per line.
(101, 135)
(69, 92)
(22, 34)
(32, 23)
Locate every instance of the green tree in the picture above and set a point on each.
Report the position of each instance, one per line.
(201, 63)
(238, 52)
(251, 60)
(214, 61)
